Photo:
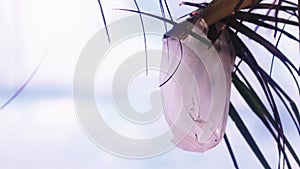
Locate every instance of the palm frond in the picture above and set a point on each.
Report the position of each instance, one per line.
(239, 24)
(144, 34)
(230, 151)
(247, 135)
(104, 20)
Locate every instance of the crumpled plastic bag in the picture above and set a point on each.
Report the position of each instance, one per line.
(196, 98)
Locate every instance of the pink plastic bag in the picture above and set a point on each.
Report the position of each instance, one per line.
(196, 98)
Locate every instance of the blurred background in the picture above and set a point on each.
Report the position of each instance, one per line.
(40, 129)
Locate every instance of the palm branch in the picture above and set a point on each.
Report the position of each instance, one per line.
(237, 23)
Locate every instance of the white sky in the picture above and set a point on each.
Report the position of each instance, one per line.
(40, 129)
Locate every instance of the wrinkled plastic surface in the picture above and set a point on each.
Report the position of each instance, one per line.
(196, 98)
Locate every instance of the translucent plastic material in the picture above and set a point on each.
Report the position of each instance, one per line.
(196, 98)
